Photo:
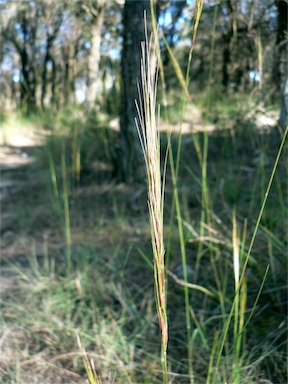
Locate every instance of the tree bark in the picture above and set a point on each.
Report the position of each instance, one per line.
(283, 119)
(227, 38)
(28, 79)
(280, 55)
(44, 73)
(94, 57)
(68, 75)
(130, 158)
(49, 43)
(226, 60)
(53, 100)
(66, 90)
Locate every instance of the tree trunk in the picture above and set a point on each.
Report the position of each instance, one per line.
(27, 83)
(72, 72)
(280, 55)
(28, 76)
(130, 158)
(44, 73)
(227, 39)
(66, 90)
(69, 81)
(53, 100)
(283, 119)
(94, 57)
(226, 61)
(49, 43)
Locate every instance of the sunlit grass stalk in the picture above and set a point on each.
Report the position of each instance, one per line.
(53, 177)
(212, 357)
(184, 82)
(66, 208)
(89, 365)
(150, 141)
(76, 159)
(236, 266)
(240, 303)
(260, 57)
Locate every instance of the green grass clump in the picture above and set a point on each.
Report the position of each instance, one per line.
(77, 247)
(107, 299)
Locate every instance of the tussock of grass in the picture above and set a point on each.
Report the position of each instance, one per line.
(112, 308)
(78, 253)
(109, 299)
(37, 342)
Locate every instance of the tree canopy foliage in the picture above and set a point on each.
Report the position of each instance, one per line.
(55, 52)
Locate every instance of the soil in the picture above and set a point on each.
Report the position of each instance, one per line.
(15, 160)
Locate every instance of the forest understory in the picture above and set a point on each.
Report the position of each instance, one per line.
(107, 296)
(143, 191)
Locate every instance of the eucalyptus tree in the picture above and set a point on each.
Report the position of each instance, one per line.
(129, 156)
(281, 44)
(281, 60)
(94, 57)
(30, 31)
(91, 15)
(19, 29)
(52, 16)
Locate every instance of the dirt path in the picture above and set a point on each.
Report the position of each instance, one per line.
(192, 123)
(14, 156)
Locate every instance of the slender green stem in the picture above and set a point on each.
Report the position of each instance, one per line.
(185, 275)
(53, 177)
(204, 156)
(249, 253)
(66, 209)
(175, 172)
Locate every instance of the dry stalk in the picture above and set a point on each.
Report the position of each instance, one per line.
(149, 136)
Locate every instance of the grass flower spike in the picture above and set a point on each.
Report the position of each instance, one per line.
(148, 115)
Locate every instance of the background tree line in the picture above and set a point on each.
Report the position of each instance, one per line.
(54, 53)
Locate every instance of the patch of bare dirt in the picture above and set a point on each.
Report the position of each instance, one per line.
(13, 156)
(192, 123)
